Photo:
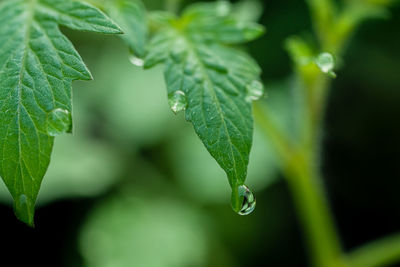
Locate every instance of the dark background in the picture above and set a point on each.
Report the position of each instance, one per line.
(360, 159)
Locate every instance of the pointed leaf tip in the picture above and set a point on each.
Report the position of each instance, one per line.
(24, 210)
(201, 64)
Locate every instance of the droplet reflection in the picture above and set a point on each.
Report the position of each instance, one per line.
(326, 63)
(177, 101)
(138, 62)
(59, 121)
(255, 90)
(247, 200)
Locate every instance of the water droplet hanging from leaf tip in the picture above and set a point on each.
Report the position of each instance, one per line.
(243, 196)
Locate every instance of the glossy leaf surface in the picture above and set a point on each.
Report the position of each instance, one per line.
(37, 66)
(214, 78)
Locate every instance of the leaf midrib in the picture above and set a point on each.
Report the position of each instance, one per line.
(29, 21)
(203, 68)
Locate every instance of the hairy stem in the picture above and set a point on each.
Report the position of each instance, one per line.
(301, 162)
(305, 184)
(303, 178)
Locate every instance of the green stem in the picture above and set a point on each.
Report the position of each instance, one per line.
(304, 182)
(378, 253)
(322, 12)
(300, 162)
(172, 6)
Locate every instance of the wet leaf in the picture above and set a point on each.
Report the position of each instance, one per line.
(214, 78)
(37, 66)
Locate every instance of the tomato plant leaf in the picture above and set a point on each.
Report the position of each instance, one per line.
(213, 77)
(37, 66)
(132, 18)
(215, 22)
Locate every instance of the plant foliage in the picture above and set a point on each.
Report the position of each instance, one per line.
(37, 66)
(206, 75)
(209, 78)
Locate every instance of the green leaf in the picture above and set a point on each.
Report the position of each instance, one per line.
(248, 10)
(131, 17)
(214, 77)
(214, 22)
(37, 66)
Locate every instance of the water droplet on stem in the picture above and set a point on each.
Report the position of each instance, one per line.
(326, 63)
(177, 101)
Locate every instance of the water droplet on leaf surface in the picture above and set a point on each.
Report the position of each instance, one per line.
(326, 63)
(59, 121)
(245, 198)
(177, 101)
(138, 62)
(255, 90)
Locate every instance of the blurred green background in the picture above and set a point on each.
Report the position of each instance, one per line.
(133, 186)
